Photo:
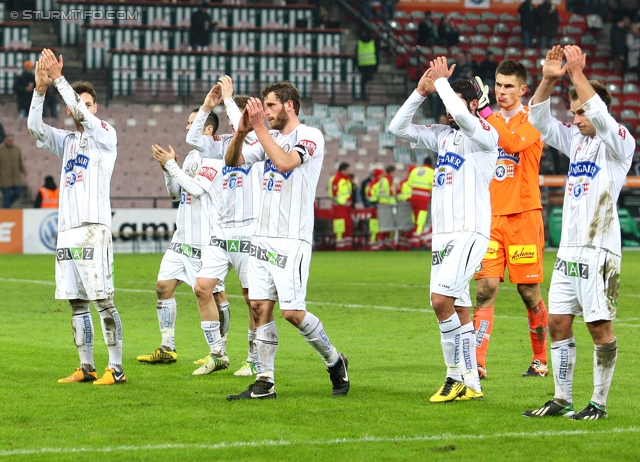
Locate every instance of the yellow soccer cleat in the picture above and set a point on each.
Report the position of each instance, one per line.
(80, 375)
(470, 394)
(449, 391)
(213, 364)
(202, 360)
(246, 370)
(159, 356)
(111, 377)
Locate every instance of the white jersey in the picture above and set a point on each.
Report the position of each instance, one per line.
(240, 185)
(286, 205)
(88, 159)
(597, 170)
(197, 187)
(466, 162)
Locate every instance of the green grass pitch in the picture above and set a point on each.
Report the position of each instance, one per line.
(374, 307)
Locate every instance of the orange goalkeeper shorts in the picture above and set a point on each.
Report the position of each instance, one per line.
(516, 243)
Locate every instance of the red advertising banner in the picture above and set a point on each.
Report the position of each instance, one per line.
(447, 6)
(10, 231)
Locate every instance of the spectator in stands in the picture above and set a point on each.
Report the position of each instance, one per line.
(11, 171)
(50, 102)
(1, 134)
(475, 66)
(487, 70)
(619, 49)
(427, 31)
(366, 9)
(448, 34)
(23, 88)
(528, 23)
(201, 27)
(549, 21)
(366, 59)
(463, 68)
(48, 195)
(633, 45)
(388, 9)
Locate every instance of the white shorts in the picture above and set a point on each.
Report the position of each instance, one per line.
(585, 282)
(279, 271)
(84, 263)
(233, 246)
(181, 262)
(455, 257)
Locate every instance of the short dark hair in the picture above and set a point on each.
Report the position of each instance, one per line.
(241, 100)
(600, 90)
(82, 86)
(390, 168)
(511, 67)
(466, 89)
(284, 91)
(343, 166)
(211, 120)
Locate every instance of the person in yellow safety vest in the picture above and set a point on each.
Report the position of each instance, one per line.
(386, 204)
(48, 195)
(366, 59)
(372, 195)
(340, 191)
(404, 196)
(421, 182)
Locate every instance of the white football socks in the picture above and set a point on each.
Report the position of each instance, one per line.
(563, 362)
(312, 330)
(450, 338)
(82, 325)
(211, 330)
(469, 363)
(266, 348)
(167, 310)
(604, 363)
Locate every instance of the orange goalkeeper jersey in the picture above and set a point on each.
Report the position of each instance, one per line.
(515, 186)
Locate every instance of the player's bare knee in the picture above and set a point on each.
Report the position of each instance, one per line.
(486, 291)
(530, 294)
(203, 290)
(601, 332)
(295, 317)
(560, 327)
(163, 290)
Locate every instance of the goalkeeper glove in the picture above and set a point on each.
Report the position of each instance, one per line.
(482, 93)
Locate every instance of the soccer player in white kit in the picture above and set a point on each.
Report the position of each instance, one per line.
(84, 253)
(586, 275)
(281, 245)
(239, 202)
(461, 212)
(192, 186)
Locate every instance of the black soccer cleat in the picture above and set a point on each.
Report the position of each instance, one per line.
(261, 389)
(339, 376)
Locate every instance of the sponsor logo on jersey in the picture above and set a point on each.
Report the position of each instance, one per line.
(309, 145)
(104, 125)
(571, 268)
(226, 170)
(80, 161)
(450, 159)
(73, 178)
(515, 157)
(217, 138)
(232, 182)
(484, 124)
(583, 168)
(492, 251)
(208, 172)
(503, 171)
(185, 198)
(186, 250)
(523, 254)
(622, 132)
(273, 258)
(270, 167)
(578, 190)
(74, 253)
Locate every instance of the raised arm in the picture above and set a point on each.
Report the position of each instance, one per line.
(48, 137)
(167, 160)
(552, 70)
(194, 136)
(94, 127)
(617, 138)
(401, 125)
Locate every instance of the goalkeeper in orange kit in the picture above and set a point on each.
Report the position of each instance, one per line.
(517, 229)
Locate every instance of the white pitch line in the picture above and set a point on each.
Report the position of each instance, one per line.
(282, 442)
(334, 305)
